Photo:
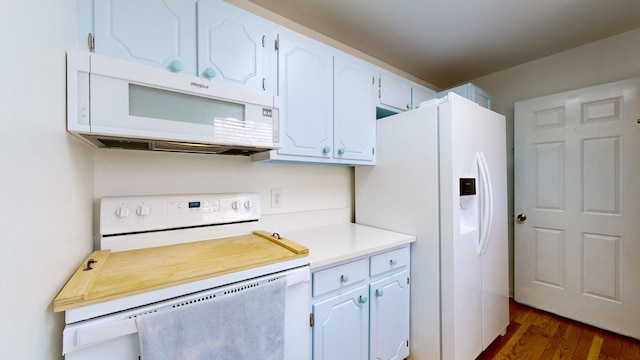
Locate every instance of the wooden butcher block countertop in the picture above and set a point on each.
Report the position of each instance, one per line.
(119, 274)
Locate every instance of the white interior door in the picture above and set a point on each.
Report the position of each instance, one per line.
(577, 188)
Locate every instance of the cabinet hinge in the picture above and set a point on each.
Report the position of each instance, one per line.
(311, 320)
(379, 93)
(407, 280)
(264, 84)
(91, 41)
(263, 40)
(373, 80)
(276, 45)
(407, 342)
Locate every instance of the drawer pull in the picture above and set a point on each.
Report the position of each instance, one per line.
(379, 292)
(393, 262)
(344, 278)
(362, 299)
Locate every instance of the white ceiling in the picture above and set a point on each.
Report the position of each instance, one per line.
(447, 42)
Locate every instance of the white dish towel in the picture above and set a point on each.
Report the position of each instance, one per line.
(247, 325)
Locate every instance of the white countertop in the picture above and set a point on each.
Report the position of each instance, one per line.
(335, 243)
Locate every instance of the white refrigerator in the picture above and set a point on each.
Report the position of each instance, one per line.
(441, 175)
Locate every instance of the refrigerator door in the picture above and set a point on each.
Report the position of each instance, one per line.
(474, 269)
(460, 272)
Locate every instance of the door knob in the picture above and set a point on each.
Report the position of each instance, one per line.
(522, 217)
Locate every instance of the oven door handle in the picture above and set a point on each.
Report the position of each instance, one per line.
(298, 276)
(96, 333)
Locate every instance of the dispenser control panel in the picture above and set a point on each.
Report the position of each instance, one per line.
(467, 186)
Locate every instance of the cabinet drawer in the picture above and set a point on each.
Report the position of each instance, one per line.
(339, 276)
(390, 260)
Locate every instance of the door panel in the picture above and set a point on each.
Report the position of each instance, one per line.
(151, 32)
(389, 317)
(235, 46)
(576, 181)
(354, 116)
(306, 84)
(341, 327)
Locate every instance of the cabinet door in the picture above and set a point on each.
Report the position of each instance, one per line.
(305, 70)
(471, 92)
(395, 92)
(158, 33)
(420, 94)
(354, 119)
(235, 46)
(341, 326)
(480, 96)
(389, 309)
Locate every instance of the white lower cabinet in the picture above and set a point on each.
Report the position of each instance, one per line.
(389, 317)
(360, 309)
(341, 326)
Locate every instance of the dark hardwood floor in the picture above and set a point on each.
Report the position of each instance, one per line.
(536, 335)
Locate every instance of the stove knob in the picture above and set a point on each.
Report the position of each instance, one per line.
(143, 210)
(234, 205)
(247, 204)
(122, 211)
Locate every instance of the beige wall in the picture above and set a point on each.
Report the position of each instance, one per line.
(607, 60)
(45, 177)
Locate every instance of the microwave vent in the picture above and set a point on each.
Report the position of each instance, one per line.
(172, 146)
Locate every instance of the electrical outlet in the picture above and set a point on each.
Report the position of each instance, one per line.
(276, 198)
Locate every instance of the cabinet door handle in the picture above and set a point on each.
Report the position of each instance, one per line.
(379, 292)
(362, 299)
(341, 151)
(393, 262)
(210, 73)
(326, 149)
(176, 66)
(344, 278)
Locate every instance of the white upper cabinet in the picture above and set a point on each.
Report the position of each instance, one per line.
(420, 94)
(158, 33)
(207, 38)
(354, 97)
(235, 46)
(331, 99)
(305, 70)
(471, 92)
(394, 93)
(329, 104)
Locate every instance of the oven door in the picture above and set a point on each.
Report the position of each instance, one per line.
(115, 336)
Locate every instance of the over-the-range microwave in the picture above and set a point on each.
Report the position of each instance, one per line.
(114, 103)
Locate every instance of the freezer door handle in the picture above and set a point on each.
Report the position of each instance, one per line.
(486, 202)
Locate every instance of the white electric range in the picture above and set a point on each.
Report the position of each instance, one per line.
(106, 329)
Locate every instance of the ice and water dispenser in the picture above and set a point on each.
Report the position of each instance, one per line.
(468, 206)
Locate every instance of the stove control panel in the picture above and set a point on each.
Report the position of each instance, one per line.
(132, 214)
